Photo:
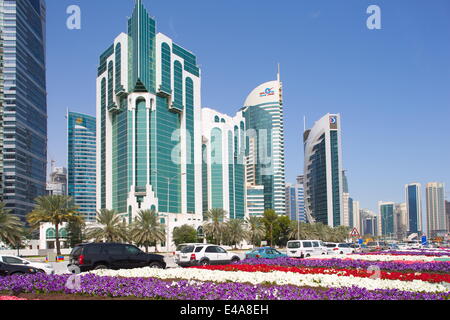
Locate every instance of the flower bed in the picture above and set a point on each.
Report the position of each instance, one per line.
(360, 273)
(425, 253)
(9, 298)
(277, 278)
(152, 288)
(383, 257)
(436, 267)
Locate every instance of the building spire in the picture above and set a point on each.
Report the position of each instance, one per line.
(279, 73)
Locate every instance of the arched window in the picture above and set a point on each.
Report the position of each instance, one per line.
(216, 119)
(63, 233)
(50, 234)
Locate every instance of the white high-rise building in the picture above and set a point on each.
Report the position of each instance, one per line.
(223, 152)
(323, 172)
(263, 112)
(436, 219)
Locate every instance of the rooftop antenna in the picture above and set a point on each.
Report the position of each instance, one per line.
(304, 123)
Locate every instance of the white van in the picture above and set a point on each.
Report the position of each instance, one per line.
(305, 248)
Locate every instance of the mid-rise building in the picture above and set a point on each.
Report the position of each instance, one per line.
(24, 104)
(436, 219)
(57, 183)
(401, 216)
(295, 205)
(369, 223)
(413, 196)
(263, 112)
(223, 152)
(255, 201)
(82, 163)
(357, 216)
(149, 143)
(323, 172)
(387, 219)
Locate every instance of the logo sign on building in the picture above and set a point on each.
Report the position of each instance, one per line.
(267, 92)
(333, 122)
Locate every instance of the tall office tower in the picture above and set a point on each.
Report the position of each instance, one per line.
(295, 205)
(82, 163)
(24, 119)
(1, 108)
(263, 112)
(357, 216)
(387, 218)
(436, 219)
(346, 209)
(413, 196)
(301, 198)
(223, 155)
(323, 172)
(401, 216)
(447, 213)
(57, 184)
(148, 127)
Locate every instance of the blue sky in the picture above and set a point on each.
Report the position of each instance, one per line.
(391, 86)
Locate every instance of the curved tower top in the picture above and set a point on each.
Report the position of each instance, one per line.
(268, 92)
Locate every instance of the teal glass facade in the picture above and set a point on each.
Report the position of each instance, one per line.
(387, 219)
(82, 163)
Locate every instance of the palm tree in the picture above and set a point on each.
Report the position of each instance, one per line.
(55, 209)
(236, 231)
(11, 228)
(256, 230)
(146, 229)
(270, 218)
(110, 227)
(213, 226)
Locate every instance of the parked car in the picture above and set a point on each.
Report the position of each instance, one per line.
(305, 248)
(339, 248)
(196, 255)
(264, 253)
(44, 267)
(356, 247)
(13, 269)
(180, 247)
(377, 245)
(94, 256)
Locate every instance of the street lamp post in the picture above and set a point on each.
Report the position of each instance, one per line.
(168, 206)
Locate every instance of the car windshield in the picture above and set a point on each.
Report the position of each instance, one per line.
(181, 247)
(187, 249)
(293, 245)
(344, 245)
(330, 245)
(76, 251)
(372, 244)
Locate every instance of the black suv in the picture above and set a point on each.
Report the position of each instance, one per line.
(94, 256)
(10, 269)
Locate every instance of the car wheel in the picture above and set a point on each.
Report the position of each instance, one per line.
(41, 271)
(235, 260)
(342, 252)
(204, 262)
(100, 267)
(155, 265)
(308, 255)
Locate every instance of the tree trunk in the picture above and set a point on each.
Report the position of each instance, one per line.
(146, 249)
(58, 247)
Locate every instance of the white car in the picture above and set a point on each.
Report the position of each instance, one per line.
(180, 247)
(305, 248)
(339, 248)
(205, 254)
(44, 267)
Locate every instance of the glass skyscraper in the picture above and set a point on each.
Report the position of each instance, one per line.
(323, 181)
(24, 111)
(149, 126)
(263, 112)
(414, 207)
(82, 163)
(387, 218)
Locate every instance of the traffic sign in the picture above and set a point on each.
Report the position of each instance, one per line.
(355, 233)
